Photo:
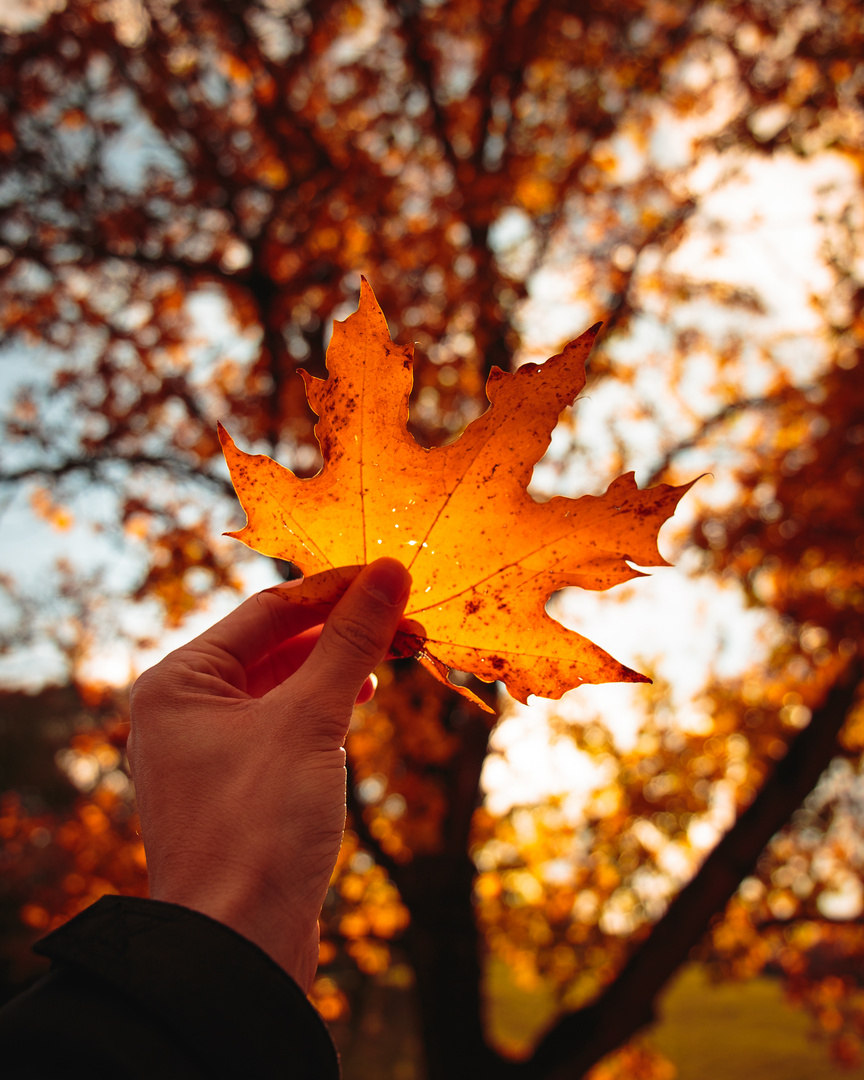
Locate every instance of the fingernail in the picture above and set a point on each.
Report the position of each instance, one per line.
(387, 580)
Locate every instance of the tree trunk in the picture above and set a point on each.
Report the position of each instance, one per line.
(442, 943)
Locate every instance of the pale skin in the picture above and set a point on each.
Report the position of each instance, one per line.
(236, 750)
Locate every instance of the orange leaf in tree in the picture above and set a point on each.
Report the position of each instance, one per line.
(484, 555)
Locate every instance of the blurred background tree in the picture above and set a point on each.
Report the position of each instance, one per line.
(189, 194)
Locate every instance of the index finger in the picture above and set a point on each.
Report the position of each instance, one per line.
(282, 662)
(260, 625)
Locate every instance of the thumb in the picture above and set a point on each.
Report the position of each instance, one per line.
(358, 632)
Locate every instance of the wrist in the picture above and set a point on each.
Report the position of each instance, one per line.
(285, 928)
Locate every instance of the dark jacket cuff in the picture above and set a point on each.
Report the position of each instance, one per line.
(221, 997)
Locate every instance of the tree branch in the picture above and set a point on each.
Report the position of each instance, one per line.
(579, 1040)
(411, 32)
(507, 54)
(724, 414)
(95, 465)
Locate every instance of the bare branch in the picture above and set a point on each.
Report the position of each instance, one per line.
(509, 54)
(95, 467)
(728, 412)
(412, 33)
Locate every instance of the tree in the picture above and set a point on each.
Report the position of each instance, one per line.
(190, 194)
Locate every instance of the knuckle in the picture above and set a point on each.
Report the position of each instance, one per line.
(151, 690)
(142, 690)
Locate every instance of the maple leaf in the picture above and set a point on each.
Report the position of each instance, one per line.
(484, 555)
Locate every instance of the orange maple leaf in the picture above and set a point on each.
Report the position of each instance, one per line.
(484, 555)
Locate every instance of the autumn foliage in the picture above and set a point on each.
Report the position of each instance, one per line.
(191, 194)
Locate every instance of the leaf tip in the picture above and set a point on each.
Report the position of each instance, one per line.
(368, 308)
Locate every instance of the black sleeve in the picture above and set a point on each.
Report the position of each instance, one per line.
(144, 989)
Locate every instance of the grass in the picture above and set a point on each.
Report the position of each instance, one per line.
(735, 1031)
(726, 1031)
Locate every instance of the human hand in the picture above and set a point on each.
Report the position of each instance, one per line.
(239, 768)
